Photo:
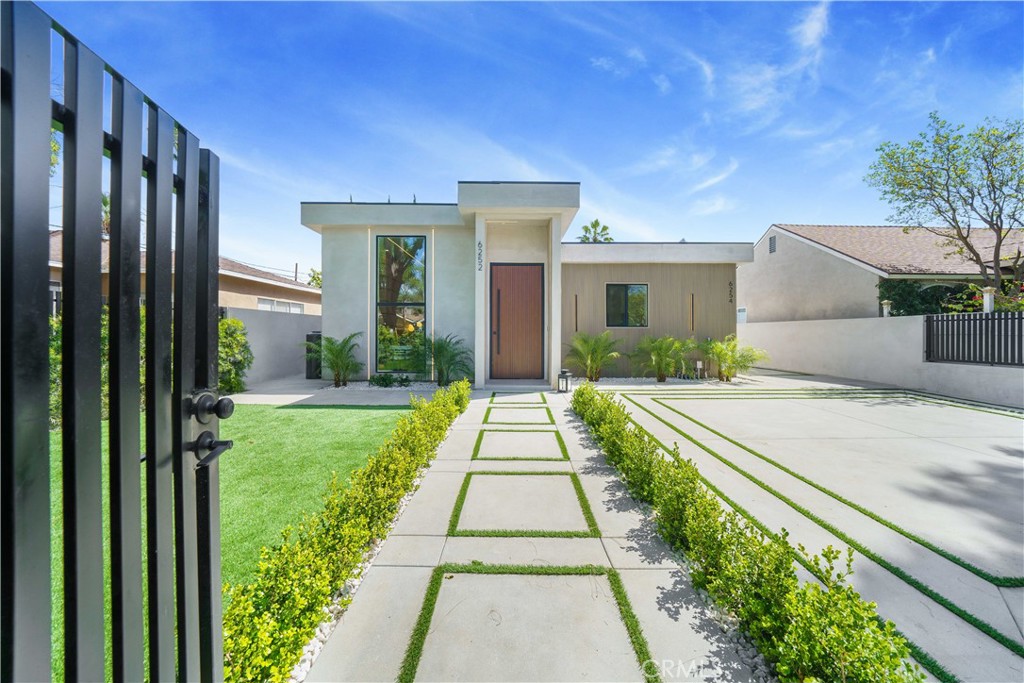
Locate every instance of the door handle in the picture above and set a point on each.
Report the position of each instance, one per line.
(208, 442)
(497, 331)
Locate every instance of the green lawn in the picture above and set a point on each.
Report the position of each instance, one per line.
(278, 470)
(280, 466)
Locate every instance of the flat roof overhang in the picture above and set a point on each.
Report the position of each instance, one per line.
(510, 199)
(657, 252)
(319, 215)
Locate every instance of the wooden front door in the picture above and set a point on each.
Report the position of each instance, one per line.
(517, 321)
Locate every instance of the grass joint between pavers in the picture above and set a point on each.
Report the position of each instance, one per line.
(525, 404)
(558, 438)
(414, 651)
(487, 414)
(588, 514)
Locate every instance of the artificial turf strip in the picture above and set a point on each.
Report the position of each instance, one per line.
(558, 438)
(929, 663)
(971, 619)
(487, 415)
(494, 394)
(588, 515)
(414, 651)
(763, 394)
(1004, 581)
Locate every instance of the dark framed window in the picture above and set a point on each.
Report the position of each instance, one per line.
(625, 305)
(401, 304)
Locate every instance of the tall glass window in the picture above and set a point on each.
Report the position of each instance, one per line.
(401, 304)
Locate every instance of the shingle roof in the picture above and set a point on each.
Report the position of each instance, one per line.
(226, 265)
(899, 251)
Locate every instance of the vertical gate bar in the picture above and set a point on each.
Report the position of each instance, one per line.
(211, 652)
(927, 338)
(24, 331)
(80, 375)
(125, 476)
(185, 524)
(159, 412)
(990, 323)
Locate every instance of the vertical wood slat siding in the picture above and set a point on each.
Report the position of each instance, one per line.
(669, 294)
(80, 378)
(211, 654)
(159, 410)
(125, 469)
(519, 352)
(24, 356)
(184, 332)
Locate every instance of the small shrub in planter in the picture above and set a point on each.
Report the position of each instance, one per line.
(664, 356)
(729, 357)
(383, 381)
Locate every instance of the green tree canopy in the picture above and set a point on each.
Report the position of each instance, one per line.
(595, 231)
(968, 189)
(316, 278)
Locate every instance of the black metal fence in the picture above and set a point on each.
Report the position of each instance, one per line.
(982, 338)
(168, 555)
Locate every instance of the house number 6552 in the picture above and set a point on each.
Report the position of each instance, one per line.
(479, 255)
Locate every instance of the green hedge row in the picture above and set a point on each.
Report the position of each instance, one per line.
(269, 621)
(809, 632)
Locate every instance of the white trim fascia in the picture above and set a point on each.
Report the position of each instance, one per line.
(653, 252)
(828, 250)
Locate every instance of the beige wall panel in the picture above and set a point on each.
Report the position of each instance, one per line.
(670, 287)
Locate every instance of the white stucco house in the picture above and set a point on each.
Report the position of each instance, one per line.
(492, 268)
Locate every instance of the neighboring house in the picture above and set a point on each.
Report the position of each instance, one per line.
(493, 270)
(241, 286)
(814, 272)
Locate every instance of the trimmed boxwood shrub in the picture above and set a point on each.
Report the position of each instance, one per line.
(269, 621)
(810, 632)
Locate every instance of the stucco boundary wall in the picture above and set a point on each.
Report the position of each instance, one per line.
(276, 341)
(884, 350)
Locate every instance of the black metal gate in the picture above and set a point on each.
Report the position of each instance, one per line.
(165, 597)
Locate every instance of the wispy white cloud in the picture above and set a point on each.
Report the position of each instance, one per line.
(659, 160)
(863, 141)
(810, 33)
(705, 68)
(928, 56)
(663, 83)
(717, 178)
(637, 55)
(756, 87)
(607, 64)
(717, 204)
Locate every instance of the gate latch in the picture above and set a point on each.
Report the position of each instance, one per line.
(205, 406)
(209, 443)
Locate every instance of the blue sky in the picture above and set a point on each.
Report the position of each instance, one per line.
(703, 121)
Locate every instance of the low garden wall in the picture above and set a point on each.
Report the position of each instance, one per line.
(885, 350)
(276, 341)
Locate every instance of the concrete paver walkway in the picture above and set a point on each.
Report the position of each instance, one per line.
(515, 511)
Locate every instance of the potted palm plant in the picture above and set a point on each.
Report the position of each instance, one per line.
(338, 356)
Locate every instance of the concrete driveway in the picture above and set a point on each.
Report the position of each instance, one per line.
(932, 490)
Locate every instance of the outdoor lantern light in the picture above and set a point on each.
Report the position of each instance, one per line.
(563, 381)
